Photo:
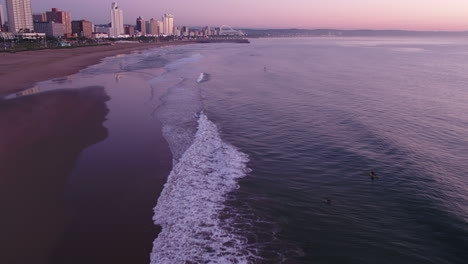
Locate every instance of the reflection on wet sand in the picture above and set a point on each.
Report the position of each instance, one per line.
(41, 138)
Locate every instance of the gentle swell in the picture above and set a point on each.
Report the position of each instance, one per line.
(190, 205)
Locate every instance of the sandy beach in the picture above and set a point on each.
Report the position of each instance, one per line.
(53, 213)
(19, 71)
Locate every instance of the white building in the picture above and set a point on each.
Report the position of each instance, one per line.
(168, 22)
(20, 19)
(117, 25)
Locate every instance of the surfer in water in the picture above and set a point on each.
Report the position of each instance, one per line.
(373, 176)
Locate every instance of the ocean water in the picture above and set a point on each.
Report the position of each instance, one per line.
(272, 144)
(303, 121)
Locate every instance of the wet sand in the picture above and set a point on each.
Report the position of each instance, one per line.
(64, 201)
(19, 71)
(38, 149)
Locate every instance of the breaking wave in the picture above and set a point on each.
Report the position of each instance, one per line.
(199, 222)
(190, 205)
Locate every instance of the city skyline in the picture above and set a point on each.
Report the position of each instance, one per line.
(450, 15)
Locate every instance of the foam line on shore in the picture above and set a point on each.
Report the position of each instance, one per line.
(189, 207)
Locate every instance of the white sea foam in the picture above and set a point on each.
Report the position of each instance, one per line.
(203, 77)
(176, 65)
(190, 205)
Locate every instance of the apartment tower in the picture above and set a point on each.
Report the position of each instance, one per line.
(141, 25)
(168, 21)
(20, 18)
(61, 17)
(2, 18)
(117, 25)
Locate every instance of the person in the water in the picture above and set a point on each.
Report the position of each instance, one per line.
(373, 176)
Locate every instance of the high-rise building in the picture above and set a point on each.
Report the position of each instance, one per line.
(206, 31)
(160, 28)
(82, 28)
(129, 30)
(152, 27)
(168, 21)
(141, 26)
(117, 25)
(2, 18)
(61, 17)
(148, 28)
(177, 31)
(185, 31)
(39, 17)
(19, 16)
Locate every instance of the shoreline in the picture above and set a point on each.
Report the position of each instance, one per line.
(51, 175)
(20, 71)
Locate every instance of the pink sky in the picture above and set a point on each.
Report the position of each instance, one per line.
(339, 14)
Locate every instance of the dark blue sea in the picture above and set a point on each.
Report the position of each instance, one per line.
(273, 143)
(316, 116)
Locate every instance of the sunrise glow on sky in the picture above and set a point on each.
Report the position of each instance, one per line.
(448, 15)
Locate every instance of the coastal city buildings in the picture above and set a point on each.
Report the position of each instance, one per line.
(152, 28)
(22, 22)
(160, 27)
(82, 28)
(141, 25)
(129, 30)
(61, 17)
(168, 22)
(103, 29)
(39, 17)
(19, 16)
(185, 31)
(2, 18)
(117, 25)
(206, 31)
(51, 29)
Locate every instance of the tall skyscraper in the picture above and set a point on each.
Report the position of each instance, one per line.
(117, 25)
(152, 27)
(141, 26)
(19, 16)
(168, 21)
(60, 17)
(2, 18)
(160, 28)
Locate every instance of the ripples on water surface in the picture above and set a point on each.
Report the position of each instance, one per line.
(324, 114)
